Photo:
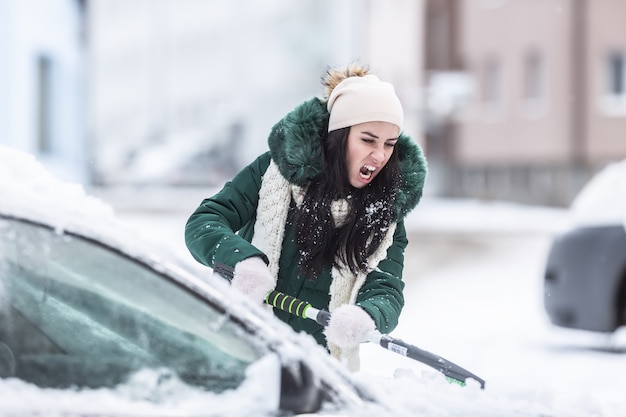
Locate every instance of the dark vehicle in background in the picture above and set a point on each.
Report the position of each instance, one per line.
(585, 275)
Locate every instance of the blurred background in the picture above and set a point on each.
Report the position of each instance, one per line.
(153, 104)
(512, 100)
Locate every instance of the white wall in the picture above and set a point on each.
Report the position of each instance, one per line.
(395, 46)
(171, 76)
(30, 29)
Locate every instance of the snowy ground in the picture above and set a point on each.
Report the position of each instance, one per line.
(474, 296)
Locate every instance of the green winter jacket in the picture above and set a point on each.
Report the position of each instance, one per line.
(220, 230)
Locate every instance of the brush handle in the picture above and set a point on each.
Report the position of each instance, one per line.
(297, 307)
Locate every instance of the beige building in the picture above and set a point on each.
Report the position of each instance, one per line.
(543, 97)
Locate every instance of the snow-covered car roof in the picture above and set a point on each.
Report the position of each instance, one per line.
(602, 201)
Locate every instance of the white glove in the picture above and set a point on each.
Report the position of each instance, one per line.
(348, 326)
(253, 278)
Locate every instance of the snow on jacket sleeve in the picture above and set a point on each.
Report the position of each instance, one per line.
(382, 293)
(211, 231)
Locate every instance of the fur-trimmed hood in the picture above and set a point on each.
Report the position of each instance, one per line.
(295, 144)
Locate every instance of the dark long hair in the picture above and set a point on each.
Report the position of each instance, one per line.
(372, 210)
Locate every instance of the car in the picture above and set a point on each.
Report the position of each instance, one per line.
(98, 319)
(86, 305)
(585, 272)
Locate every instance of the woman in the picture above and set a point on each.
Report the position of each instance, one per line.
(320, 216)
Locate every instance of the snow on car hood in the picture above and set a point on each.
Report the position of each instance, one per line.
(138, 397)
(30, 192)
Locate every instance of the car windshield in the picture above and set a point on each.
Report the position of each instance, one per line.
(76, 313)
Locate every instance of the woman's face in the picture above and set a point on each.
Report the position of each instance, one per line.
(369, 147)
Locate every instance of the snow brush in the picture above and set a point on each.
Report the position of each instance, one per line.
(451, 371)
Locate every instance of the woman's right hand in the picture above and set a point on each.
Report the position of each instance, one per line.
(253, 278)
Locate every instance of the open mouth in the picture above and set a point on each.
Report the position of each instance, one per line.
(366, 171)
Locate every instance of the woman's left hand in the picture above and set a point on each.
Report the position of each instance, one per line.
(349, 326)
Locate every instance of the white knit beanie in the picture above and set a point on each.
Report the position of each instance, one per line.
(363, 99)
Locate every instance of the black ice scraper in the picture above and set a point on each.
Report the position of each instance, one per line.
(453, 372)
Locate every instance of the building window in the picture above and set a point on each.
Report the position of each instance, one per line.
(491, 82)
(43, 103)
(535, 84)
(617, 74)
(492, 89)
(613, 100)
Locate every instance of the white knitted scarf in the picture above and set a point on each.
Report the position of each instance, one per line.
(269, 230)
